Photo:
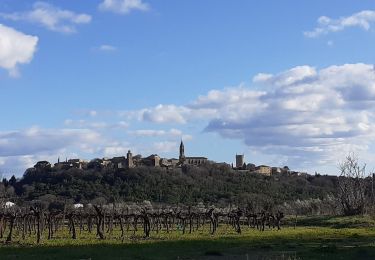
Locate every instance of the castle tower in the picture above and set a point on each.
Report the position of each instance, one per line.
(239, 161)
(182, 152)
(129, 160)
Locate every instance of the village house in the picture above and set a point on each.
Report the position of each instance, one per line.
(263, 169)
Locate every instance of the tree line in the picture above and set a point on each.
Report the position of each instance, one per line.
(190, 185)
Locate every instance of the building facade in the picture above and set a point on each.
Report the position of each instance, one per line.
(198, 160)
(264, 169)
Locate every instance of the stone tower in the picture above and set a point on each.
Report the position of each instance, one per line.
(129, 160)
(182, 153)
(239, 161)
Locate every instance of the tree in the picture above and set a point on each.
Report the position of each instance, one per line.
(351, 186)
(13, 180)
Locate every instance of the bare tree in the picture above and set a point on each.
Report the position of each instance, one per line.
(352, 186)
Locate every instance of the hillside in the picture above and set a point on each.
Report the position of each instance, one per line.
(212, 184)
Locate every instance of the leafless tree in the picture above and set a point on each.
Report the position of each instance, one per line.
(352, 186)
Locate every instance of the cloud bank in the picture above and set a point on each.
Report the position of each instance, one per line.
(307, 115)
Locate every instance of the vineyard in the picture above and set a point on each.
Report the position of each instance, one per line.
(34, 223)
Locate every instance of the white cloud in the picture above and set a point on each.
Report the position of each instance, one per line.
(15, 48)
(289, 77)
(50, 17)
(164, 114)
(316, 117)
(260, 77)
(36, 140)
(363, 19)
(123, 6)
(303, 114)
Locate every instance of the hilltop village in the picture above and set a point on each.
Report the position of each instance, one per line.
(131, 161)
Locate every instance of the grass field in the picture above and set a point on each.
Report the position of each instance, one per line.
(313, 238)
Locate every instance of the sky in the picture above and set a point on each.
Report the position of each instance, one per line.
(282, 82)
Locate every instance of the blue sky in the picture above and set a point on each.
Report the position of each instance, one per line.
(284, 82)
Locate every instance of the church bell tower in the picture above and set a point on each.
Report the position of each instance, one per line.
(182, 153)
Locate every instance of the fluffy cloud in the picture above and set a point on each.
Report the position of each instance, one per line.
(164, 114)
(304, 114)
(51, 17)
(15, 48)
(326, 25)
(170, 113)
(309, 115)
(123, 6)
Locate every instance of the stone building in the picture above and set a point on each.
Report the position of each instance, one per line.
(137, 160)
(263, 169)
(129, 160)
(123, 162)
(119, 162)
(77, 163)
(164, 162)
(152, 161)
(240, 161)
(71, 163)
(173, 161)
(195, 160)
(190, 160)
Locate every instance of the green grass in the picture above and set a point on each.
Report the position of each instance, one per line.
(333, 221)
(328, 238)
